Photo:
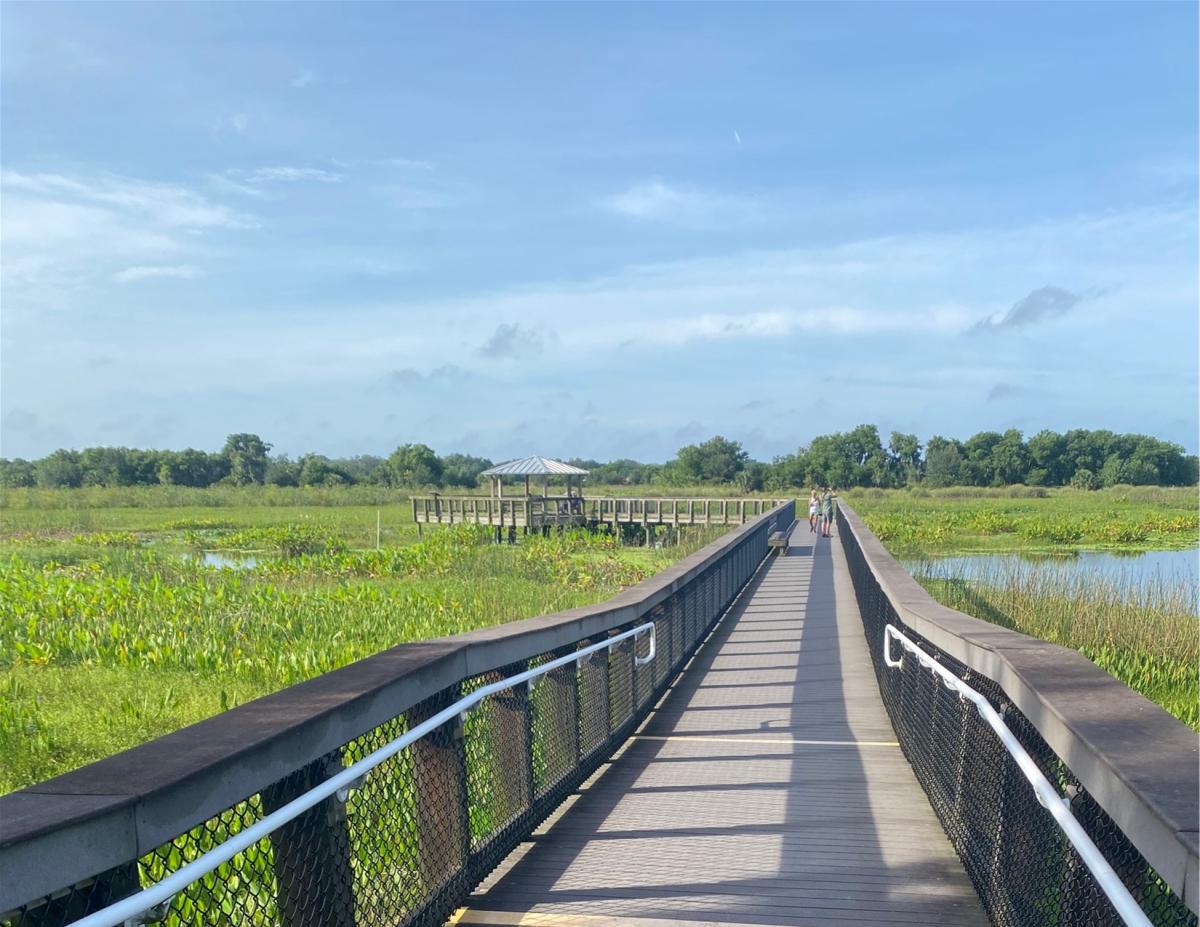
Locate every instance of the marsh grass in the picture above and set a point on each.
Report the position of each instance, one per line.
(1020, 518)
(104, 645)
(1144, 634)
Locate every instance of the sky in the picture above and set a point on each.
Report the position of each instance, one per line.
(593, 230)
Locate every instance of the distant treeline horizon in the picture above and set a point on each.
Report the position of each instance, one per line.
(1081, 458)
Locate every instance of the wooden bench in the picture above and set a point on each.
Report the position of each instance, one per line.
(779, 540)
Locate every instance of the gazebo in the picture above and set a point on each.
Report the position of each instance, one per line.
(545, 467)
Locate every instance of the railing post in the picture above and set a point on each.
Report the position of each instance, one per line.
(443, 821)
(512, 746)
(593, 699)
(557, 709)
(621, 668)
(312, 852)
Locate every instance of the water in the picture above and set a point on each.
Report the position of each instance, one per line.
(1141, 568)
(215, 558)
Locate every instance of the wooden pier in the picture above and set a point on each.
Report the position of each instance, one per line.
(538, 512)
(768, 788)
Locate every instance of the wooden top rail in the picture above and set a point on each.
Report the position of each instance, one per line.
(1138, 762)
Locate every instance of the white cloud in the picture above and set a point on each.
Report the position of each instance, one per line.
(884, 315)
(150, 271)
(782, 323)
(656, 201)
(240, 123)
(257, 182)
(62, 232)
(164, 204)
(264, 175)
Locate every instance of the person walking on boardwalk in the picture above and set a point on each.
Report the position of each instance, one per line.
(814, 511)
(827, 511)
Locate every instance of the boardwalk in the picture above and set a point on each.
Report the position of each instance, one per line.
(767, 789)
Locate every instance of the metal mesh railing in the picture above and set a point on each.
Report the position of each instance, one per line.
(405, 842)
(1023, 866)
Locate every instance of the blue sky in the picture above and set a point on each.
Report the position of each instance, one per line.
(587, 230)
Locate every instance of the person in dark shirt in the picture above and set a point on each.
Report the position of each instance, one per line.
(827, 503)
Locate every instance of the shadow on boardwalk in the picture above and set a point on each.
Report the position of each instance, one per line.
(766, 789)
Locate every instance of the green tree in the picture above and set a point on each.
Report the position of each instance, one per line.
(60, 469)
(789, 471)
(363, 468)
(414, 465)
(1047, 450)
(865, 449)
(616, 472)
(17, 472)
(905, 461)
(283, 471)
(1010, 459)
(463, 470)
(191, 467)
(978, 468)
(1111, 473)
(717, 460)
(319, 470)
(1083, 478)
(107, 466)
(943, 462)
(752, 477)
(1085, 449)
(247, 456)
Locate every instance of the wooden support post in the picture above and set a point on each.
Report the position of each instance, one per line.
(312, 852)
(512, 750)
(443, 828)
(556, 709)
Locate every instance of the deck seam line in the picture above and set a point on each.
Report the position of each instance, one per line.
(763, 740)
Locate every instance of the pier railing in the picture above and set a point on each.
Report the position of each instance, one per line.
(535, 511)
(380, 793)
(1120, 766)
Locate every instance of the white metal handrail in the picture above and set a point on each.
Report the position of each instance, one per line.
(1059, 806)
(133, 910)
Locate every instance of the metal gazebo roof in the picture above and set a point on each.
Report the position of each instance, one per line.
(535, 466)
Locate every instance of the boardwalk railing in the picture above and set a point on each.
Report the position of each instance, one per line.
(1126, 770)
(380, 793)
(535, 511)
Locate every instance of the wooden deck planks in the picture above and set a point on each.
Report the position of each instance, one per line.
(766, 789)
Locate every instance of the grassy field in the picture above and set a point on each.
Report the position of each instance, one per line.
(1145, 635)
(112, 632)
(1019, 518)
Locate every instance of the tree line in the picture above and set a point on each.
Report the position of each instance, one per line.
(857, 458)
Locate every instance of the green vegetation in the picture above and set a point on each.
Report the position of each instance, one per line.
(858, 458)
(1020, 518)
(1144, 635)
(112, 632)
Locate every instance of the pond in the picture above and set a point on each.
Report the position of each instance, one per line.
(1140, 568)
(216, 558)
